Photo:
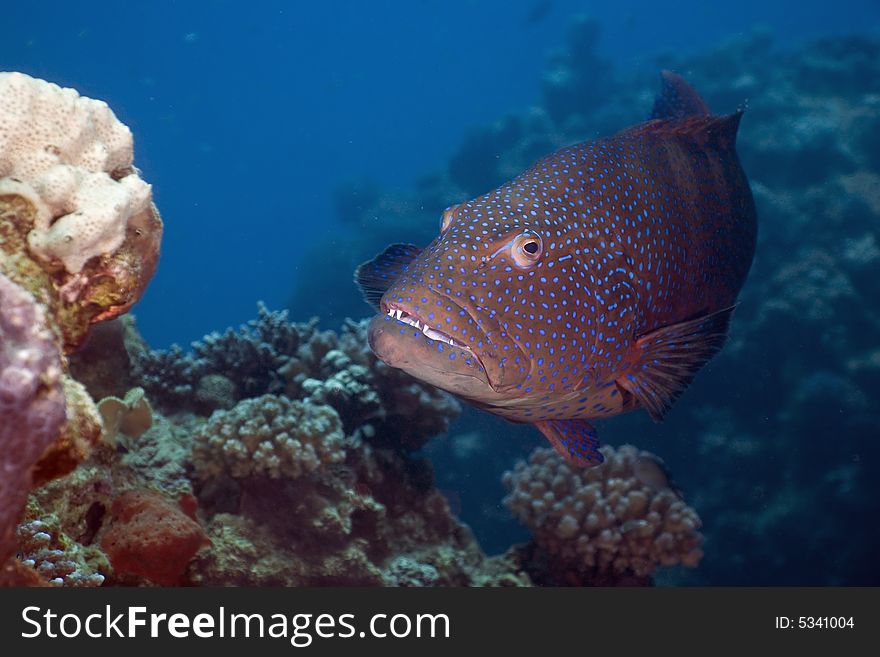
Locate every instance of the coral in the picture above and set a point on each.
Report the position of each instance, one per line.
(271, 355)
(216, 391)
(80, 230)
(132, 415)
(166, 375)
(82, 430)
(56, 558)
(606, 525)
(781, 425)
(77, 158)
(150, 537)
(161, 457)
(268, 436)
(32, 405)
(368, 522)
(252, 358)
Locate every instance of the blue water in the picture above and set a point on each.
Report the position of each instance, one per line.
(248, 115)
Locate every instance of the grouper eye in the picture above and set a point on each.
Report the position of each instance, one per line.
(525, 249)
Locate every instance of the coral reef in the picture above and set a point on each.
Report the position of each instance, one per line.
(80, 231)
(150, 537)
(298, 458)
(271, 355)
(609, 525)
(56, 558)
(314, 484)
(32, 407)
(269, 436)
(371, 520)
(79, 240)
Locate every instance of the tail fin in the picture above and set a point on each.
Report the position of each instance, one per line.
(677, 99)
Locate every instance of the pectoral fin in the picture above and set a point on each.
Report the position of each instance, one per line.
(666, 360)
(575, 440)
(375, 276)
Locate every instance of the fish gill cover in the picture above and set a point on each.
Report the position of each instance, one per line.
(285, 453)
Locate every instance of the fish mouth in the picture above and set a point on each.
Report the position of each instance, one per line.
(413, 319)
(498, 360)
(418, 321)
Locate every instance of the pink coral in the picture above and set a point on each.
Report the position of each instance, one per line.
(32, 407)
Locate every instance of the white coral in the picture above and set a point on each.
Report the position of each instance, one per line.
(77, 158)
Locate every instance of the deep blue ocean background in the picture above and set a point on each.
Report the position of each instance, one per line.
(247, 116)
(271, 131)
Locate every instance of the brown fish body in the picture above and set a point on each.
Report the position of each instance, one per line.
(599, 280)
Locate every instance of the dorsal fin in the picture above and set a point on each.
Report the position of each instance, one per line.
(375, 276)
(677, 99)
(667, 359)
(703, 129)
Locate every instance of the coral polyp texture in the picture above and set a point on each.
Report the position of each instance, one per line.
(269, 436)
(32, 408)
(614, 524)
(80, 230)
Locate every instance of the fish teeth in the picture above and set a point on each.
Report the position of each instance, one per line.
(435, 335)
(426, 329)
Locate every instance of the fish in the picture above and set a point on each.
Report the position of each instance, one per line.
(598, 281)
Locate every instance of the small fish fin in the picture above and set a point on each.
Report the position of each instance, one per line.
(575, 440)
(677, 99)
(375, 276)
(668, 359)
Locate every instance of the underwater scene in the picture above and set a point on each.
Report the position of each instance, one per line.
(538, 293)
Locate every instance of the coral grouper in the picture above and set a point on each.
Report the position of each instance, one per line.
(598, 281)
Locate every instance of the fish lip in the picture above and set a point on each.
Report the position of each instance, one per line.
(388, 307)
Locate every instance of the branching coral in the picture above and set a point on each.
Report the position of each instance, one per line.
(351, 511)
(611, 524)
(271, 355)
(250, 360)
